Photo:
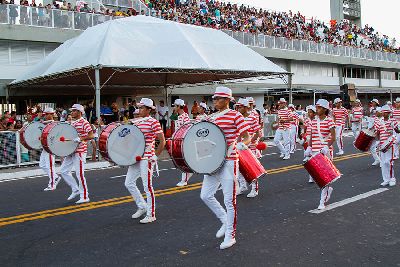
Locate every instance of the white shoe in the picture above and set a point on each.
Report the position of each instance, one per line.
(385, 183)
(282, 155)
(321, 206)
(147, 219)
(376, 162)
(252, 194)
(139, 213)
(221, 231)
(73, 195)
(241, 190)
(181, 183)
(227, 243)
(49, 188)
(340, 153)
(392, 182)
(80, 201)
(287, 156)
(311, 181)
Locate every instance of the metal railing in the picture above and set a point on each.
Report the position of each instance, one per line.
(56, 18)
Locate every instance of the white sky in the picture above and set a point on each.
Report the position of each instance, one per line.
(382, 15)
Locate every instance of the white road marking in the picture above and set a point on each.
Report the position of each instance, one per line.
(349, 200)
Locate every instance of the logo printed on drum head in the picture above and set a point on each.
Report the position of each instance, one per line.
(124, 132)
(40, 128)
(202, 132)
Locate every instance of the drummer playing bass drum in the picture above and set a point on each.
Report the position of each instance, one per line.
(232, 125)
(322, 136)
(151, 128)
(47, 160)
(77, 160)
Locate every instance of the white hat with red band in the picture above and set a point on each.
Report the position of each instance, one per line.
(203, 105)
(386, 109)
(244, 102)
(250, 99)
(282, 100)
(147, 102)
(222, 91)
(179, 102)
(323, 103)
(78, 107)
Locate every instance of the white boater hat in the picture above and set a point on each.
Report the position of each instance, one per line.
(179, 102)
(222, 91)
(147, 102)
(323, 103)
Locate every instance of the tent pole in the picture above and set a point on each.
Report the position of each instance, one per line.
(97, 84)
(314, 97)
(290, 89)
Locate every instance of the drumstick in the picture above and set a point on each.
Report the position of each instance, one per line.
(63, 139)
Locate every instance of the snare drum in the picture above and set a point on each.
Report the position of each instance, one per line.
(322, 170)
(249, 166)
(198, 147)
(58, 138)
(121, 143)
(30, 135)
(364, 140)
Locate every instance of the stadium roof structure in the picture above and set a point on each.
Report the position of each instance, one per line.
(142, 53)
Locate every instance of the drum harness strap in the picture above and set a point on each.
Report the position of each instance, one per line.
(215, 116)
(148, 148)
(323, 140)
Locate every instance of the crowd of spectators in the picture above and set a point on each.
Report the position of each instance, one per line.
(221, 15)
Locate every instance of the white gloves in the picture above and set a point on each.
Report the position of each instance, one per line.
(154, 158)
(325, 150)
(241, 146)
(77, 140)
(308, 152)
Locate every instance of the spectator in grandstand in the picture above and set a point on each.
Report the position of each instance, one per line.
(13, 117)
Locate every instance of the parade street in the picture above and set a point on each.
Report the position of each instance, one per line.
(281, 226)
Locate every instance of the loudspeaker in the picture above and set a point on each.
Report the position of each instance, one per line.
(348, 94)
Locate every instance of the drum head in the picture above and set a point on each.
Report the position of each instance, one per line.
(124, 143)
(58, 148)
(204, 147)
(32, 134)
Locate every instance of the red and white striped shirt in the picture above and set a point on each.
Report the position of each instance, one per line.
(340, 115)
(321, 138)
(201, 117)
(358, 113)
(182, 119)
(150, 129)
(385, 129)
(255, 127)
(232, 125)
(296, 118)
(307, 126)
(284, 114)
(372, 112)
(83, 127)
(396, 114)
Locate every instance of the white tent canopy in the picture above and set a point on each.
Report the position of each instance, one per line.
(143, 52)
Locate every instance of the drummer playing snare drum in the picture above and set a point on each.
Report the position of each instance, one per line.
(77, 160)
(322, 137)
(151, 129)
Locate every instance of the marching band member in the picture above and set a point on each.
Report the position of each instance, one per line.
(374, 146)
(340, 115)
(47, 161)
(322, 137)
(396, 116)
(183, 118)
(357, 113)
(311, 110)
(385, 130)
(254, 132)
(372, 109)
(151, 128)
(233, 126)
(77, 160)
(294, 128)
(257, 114)
(282, 133)
(202, 112)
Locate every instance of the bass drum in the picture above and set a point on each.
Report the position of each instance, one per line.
(121, 143)
(198, 147)
(57, 139)
(30, 135)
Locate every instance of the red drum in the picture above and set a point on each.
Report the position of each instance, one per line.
(30, 135)
(364, 140)
(198, 147)
(249, 166)
(388, 144)
(121, 143)
(322, 170)
(57, 138)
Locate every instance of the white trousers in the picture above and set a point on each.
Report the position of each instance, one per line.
(143, 169)
(324, 191)
(373, 150)
(46, 163)
(356, 128)
(243, 183)
(77, 162)
(292, 137)
(282, 140)
(227, 178)
(387, 163)
(396, 145)
(339, 137)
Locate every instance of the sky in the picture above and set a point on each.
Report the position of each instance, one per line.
(382, 15)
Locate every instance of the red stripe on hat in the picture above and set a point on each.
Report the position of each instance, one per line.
(222, 94)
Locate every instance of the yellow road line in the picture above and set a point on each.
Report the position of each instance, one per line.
(120, 200)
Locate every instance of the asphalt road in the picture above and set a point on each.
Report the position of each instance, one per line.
(43, 229)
